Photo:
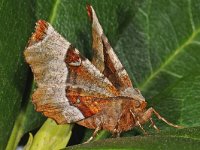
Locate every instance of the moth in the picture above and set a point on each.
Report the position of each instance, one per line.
(97, 94)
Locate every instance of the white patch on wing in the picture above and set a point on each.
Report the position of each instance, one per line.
(101, 79)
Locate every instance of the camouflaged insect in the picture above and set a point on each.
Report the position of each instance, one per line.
(71, 89)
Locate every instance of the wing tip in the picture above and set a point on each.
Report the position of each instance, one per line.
(40, 31)
(89, 11)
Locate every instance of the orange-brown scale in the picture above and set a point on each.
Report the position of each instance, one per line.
(71, 91)
(89, 12)
(72, 56)
(40, 29)
(115, 114)
(75, 100)
(126, 80)
(88, 104)
(83, 74)
(80, 73)
(110, 71)
(57, 116)
(50, 110)
(39, 33)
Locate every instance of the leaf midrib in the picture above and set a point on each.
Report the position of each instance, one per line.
(54, 10)
(171, 57)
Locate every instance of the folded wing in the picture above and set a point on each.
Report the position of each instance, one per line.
(106, 60)
(68, 84)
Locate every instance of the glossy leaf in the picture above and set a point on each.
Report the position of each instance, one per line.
(16, 23)
(186, 139)
(157, 41)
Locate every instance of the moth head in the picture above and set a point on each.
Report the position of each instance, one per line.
(134, 93)
(138, 95)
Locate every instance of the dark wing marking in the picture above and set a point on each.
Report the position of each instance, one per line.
(106, 60)
(86, 84)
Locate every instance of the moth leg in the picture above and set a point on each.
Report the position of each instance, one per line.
(116, 134)
(149, 113)
(94, 134)
(153, 124)
(137, 122)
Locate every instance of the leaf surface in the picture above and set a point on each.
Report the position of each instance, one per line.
(158, 43)
(15, 27)
(186, 139)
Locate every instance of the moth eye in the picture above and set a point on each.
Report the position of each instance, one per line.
(137, 104)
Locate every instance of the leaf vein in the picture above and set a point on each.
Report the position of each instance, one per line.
(148, 36)
(54, 11)
(173, 29)
(169, 59)
(172, 73)
(190, 14)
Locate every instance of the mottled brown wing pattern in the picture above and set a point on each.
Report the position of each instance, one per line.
(86, 84)
(46, 54)
(83, 75)
(63, 75)
(97, 95)
(106, 60)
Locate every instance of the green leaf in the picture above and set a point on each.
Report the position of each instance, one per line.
(160, 47)
(163, 39)
(50, 135)
(16, 23)
(26, 120)
(29, 143)
(186, 139)
(158, 43)
(181, 101)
